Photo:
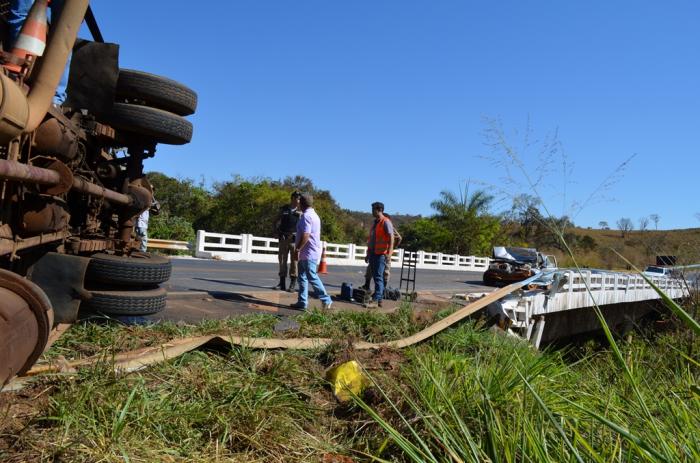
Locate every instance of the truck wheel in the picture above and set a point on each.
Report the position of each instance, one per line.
(156, 91)
(26, 318)
(145, 302)
(129, 271)
(156, 124)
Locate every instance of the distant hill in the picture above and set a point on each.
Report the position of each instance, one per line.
(640, 247)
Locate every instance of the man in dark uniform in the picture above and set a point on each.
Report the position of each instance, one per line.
(286, 227)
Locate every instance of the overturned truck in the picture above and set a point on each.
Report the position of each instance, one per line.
(72, 181)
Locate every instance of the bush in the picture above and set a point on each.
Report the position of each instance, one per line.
(166, 227)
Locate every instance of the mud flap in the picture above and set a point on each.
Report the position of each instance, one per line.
(94, 71)
(61, 276)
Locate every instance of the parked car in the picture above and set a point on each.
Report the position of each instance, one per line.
(512, 264)
(657, 271)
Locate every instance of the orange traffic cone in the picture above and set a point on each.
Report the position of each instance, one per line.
(31, 40)
(323, 267)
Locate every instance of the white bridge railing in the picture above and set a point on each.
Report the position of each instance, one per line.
(251, 248)
(606, 287)
(583, 290)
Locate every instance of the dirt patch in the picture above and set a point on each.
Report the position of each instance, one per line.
(423, 317)
(384, 359)
(18, 409)
(335, 458)
(388, 360)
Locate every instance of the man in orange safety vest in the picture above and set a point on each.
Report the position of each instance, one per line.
(380, 247)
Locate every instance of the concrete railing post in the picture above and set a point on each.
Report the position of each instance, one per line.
(539, 330)
(199, 247)
(246, 245)
(352, 248)
(421, 258)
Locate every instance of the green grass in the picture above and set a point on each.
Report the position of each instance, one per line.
(498, 400)
(465, 395)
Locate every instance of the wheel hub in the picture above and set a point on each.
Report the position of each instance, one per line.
(26, 318)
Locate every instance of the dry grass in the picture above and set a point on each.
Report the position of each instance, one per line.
(640, 247)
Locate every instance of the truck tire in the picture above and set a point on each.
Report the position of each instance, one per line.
(144, 302)
(156, 91)
(158, 125)
(129, 271)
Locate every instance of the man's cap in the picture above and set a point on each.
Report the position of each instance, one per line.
(295, 194)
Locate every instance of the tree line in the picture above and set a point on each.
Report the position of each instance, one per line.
(462, 223)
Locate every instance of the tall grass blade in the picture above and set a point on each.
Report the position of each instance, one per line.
(473, 447)
(119, 424)
(619, 356)
(553, 420)
(407, 446)
(624, 432)
(670, 303)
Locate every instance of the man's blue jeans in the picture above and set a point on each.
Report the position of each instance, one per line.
(377, 263)
(307, 270)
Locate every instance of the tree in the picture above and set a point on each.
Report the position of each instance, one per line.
(466, 217)
(604, 225)
(655, 218)
(167, 227)
(586, 243)
(180, 197)
(643, 223)
(526, 211)
(425, 234)
(625, 226)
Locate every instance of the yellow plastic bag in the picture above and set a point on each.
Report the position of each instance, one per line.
(346, 379)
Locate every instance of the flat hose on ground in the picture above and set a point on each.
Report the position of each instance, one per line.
(141, 358)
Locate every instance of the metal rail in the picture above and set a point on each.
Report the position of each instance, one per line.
(168, 244)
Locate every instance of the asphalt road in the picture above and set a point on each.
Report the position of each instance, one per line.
(216, 275)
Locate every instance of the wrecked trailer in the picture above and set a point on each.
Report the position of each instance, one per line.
(72, 180)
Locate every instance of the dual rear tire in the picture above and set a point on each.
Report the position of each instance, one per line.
(127, 285)
(152, 107)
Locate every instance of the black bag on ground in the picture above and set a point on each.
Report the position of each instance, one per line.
(392, 294)
(361, 295)
(346, 291)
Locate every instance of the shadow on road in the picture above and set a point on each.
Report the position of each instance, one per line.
(232, 283)
(245, 298)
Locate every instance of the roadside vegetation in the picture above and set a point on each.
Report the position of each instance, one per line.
(464, 222)
(465, 395)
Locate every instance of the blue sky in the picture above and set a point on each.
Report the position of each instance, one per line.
(386, 100)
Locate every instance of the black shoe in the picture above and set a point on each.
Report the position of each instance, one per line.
(292, 285)
(282, 285)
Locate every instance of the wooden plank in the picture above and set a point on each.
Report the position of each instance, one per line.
(141, 358)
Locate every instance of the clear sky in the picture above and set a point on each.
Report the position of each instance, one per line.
(386, 100)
